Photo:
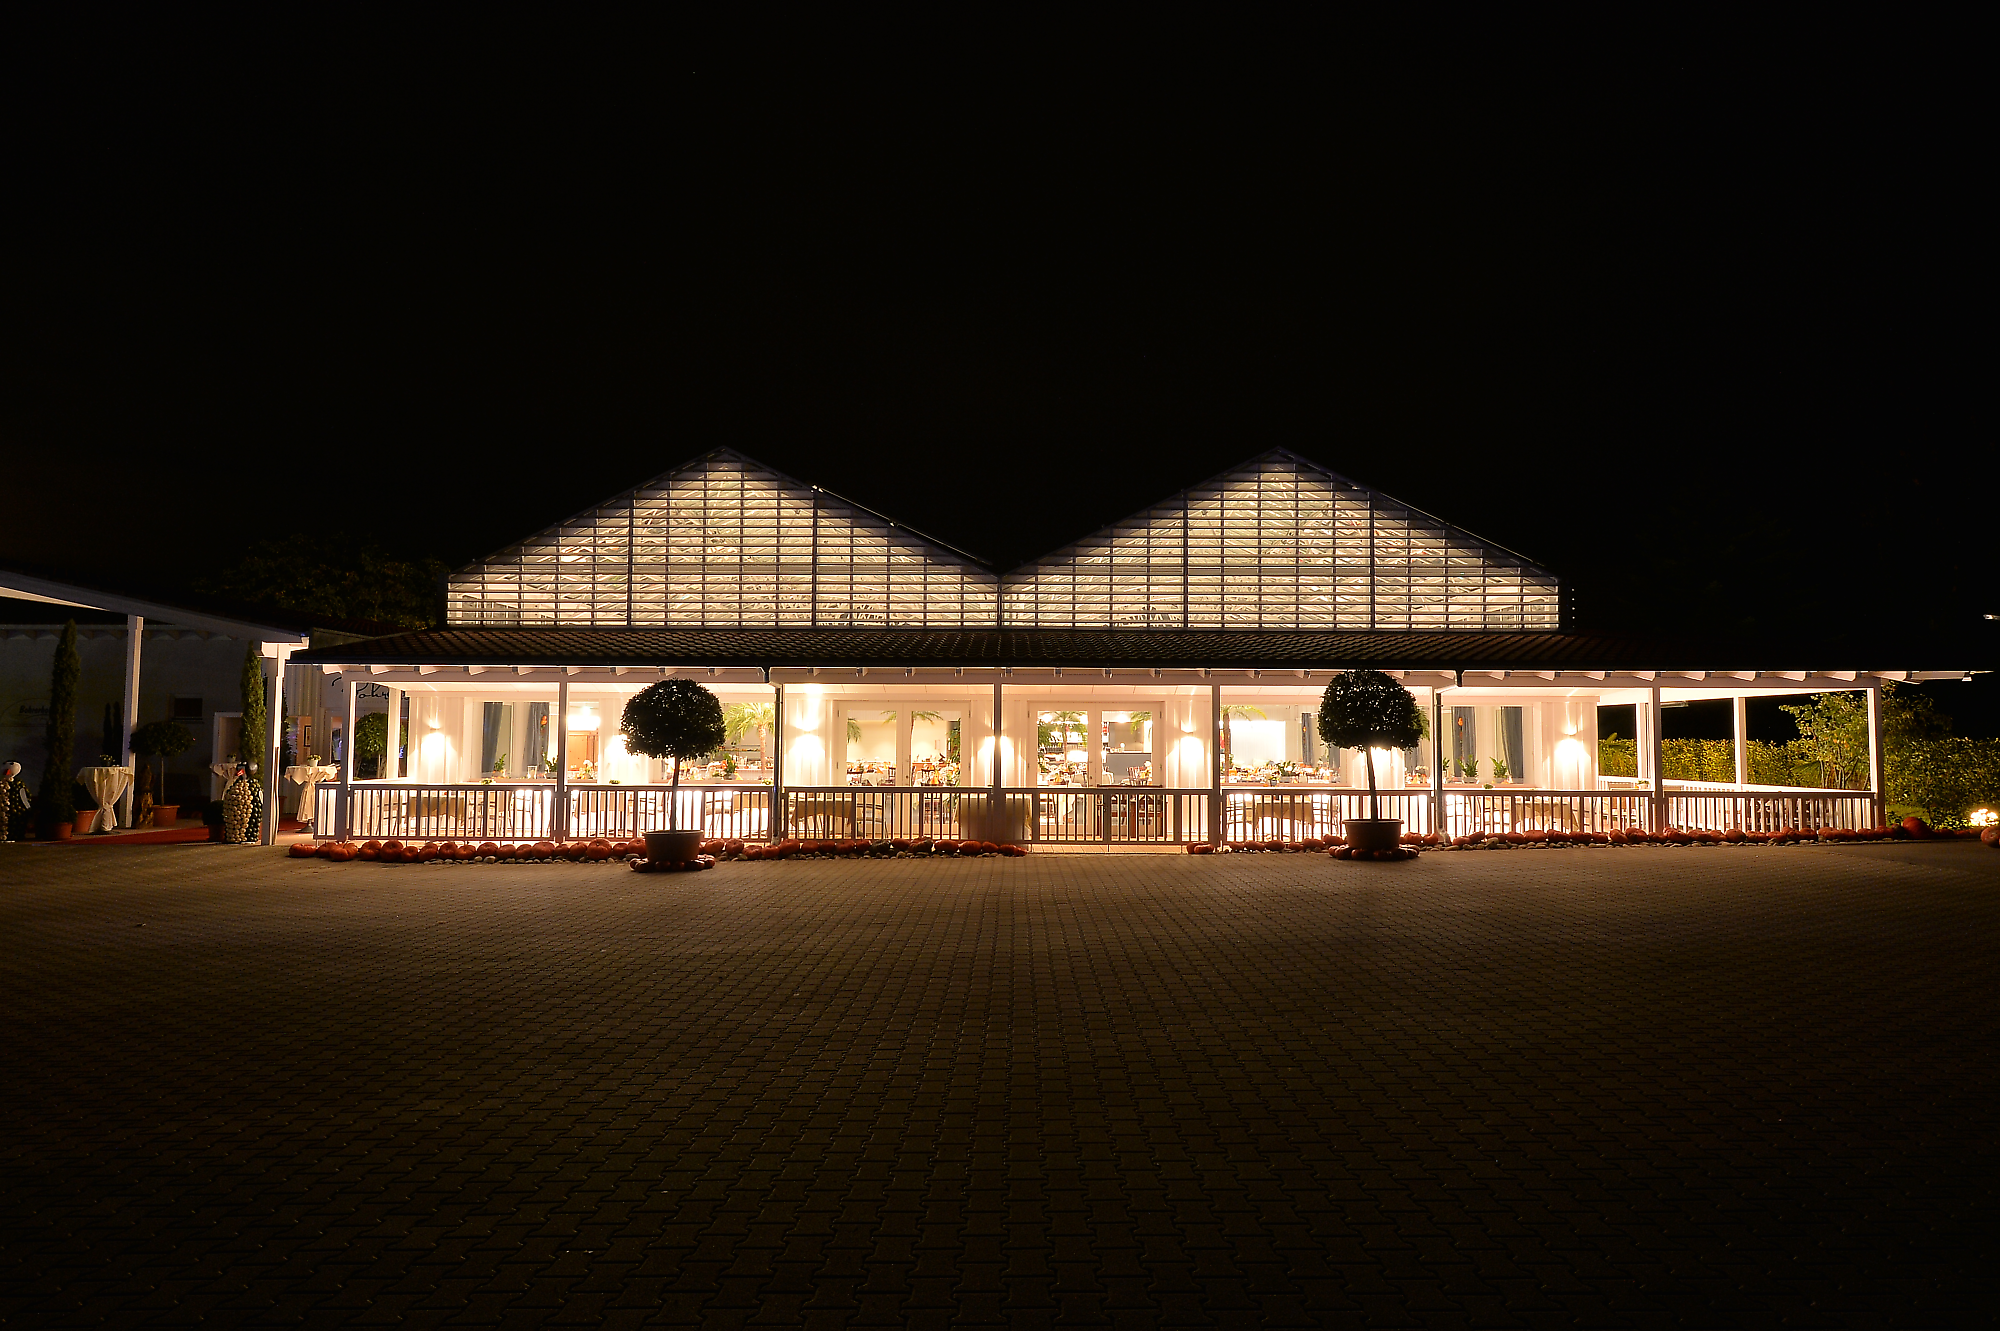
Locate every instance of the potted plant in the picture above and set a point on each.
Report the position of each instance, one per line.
(1367, 710)
(676, 719)
(161, 740)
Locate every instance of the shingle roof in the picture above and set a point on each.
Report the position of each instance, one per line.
(1128, 648)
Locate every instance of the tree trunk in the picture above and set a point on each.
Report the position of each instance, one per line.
(674, 800)
(1374, 800)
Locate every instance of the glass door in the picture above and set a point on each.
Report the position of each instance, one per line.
(1062, 753)
(1125, 748)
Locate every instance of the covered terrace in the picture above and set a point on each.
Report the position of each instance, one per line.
(1073, 738)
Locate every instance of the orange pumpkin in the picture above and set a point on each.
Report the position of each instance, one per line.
(303, 850)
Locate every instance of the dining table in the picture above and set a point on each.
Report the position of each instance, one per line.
(107, 785)
(308, 776)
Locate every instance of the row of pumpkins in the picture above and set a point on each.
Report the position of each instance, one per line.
(595, 851)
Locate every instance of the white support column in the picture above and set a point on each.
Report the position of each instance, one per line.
(1437, 761)
(559, 815)
(905, 722)
(995, 824)
(135, 629)
(999, 772)
(1740, 709)
(395, 732)
(776, 827)
(1875, 779)
(1215, 764)
(343, 823)
(1093, 739)
(274, 698)
(1659, 782)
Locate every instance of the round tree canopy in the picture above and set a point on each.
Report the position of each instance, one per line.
(162, 739)
(1365, 709)
(675, 718)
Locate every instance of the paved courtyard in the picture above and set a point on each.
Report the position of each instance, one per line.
(1647, 1087)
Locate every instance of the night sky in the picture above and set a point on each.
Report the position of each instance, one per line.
(1691, 330)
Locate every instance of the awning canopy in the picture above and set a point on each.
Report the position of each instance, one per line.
(1688, 660)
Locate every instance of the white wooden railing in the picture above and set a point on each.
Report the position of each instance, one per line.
(527, 811)
(627, 811)
(1100, 815)
(1477, 812)
(1766, 810)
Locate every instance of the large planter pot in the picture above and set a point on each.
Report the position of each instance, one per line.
(166, 815)
(1374, 833)
(86, 822)
(672, 847)
(61, 831)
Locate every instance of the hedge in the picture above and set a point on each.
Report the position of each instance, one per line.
(1947, 778)
(1790, 764)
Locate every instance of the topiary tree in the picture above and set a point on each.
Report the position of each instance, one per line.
(677, 719)
(162, 740)
(1367, 710)
(57, 801)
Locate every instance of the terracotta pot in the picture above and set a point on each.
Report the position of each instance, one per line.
(1374, 833)
(666, 847)
(61, 831)
(166, 815)
(86, 822)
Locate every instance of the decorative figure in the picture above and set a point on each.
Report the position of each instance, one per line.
(242, 807)
(14, 804)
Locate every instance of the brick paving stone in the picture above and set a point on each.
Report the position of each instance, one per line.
(1632, 1088)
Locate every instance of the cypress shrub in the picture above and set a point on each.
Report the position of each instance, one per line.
(57, 801)
(255, 744)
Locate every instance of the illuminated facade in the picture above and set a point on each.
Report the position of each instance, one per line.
(1153, 683)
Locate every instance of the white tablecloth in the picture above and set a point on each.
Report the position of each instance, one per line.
(106, 785)
(308, 777)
